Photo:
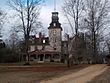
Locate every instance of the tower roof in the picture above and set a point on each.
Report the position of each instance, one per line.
(55, 21)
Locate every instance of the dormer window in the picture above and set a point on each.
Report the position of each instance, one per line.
(44, 41)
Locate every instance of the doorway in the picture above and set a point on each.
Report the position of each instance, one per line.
(41, 57)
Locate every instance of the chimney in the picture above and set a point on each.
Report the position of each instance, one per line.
(40, 37)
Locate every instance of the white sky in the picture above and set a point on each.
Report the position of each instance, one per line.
(45, 14)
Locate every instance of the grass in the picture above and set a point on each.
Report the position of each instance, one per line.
(26, 77)
(34, 73)
(33, 64)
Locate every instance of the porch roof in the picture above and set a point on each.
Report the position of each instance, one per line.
(44, 52)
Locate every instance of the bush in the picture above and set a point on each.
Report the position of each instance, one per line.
(7, 55)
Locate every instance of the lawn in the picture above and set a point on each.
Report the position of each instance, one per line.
(35, 72)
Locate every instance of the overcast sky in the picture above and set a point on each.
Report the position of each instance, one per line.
(45, 13)
(46, 10)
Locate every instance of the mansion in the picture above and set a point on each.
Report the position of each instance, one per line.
(52, 48)
(48, 49)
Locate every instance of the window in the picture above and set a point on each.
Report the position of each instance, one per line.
(54, 39)
(47, 56)
(54, 24)
(43, 41)
(55, 15)
(54, 32)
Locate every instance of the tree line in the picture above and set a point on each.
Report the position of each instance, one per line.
(91, 17)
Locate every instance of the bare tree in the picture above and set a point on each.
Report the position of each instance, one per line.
(96, 12)
(2, 18)
(13, 39)
(107, 41)
(28, 12)
(73, 12)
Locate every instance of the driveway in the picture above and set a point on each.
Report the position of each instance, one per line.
(83, 76)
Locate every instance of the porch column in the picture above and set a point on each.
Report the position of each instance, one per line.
(36, 57)
(44, 58)
(51, 57)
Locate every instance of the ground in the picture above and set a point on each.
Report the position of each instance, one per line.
(83, 76)
(17, 73)
(102, 78)
(52, 73)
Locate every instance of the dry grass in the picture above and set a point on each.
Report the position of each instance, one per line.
(33, 64)
(25, 77)
(34, 74)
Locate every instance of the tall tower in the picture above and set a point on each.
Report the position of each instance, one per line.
(55, 32)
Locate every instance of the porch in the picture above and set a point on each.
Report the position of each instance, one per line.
(41, 57)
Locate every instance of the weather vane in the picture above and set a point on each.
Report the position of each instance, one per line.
(55, 5)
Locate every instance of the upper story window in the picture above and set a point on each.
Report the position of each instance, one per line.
(54, 24)
(44, 41)
(54, 32)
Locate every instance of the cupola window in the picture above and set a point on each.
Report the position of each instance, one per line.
(54, 24)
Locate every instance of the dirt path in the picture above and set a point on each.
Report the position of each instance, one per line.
(82, 76)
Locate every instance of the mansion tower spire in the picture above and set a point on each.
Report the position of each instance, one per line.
(55, 31)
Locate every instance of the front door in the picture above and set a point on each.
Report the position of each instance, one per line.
(41, 57)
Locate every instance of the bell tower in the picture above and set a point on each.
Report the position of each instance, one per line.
(55, 31)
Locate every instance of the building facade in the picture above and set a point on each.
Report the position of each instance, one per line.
(48, 49)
